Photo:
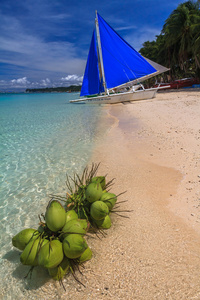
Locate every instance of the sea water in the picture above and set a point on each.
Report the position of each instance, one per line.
(42, 137)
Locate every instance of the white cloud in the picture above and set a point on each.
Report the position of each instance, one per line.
(45, 82)
(125, 28)
(20, 81)
(72, 78)
(23, 83)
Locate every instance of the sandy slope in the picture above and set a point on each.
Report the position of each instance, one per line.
(153, 152)
(152, 149)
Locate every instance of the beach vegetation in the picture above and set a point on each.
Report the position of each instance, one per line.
(62, 89)
(178, 45)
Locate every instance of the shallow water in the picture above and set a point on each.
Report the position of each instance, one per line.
(42, 137)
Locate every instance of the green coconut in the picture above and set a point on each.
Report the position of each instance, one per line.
(58, 272)
(74, 245)
(87, 255)
(29, 255)
(109, 198)
(71, 215)
(93, 192)
(99, 210)
(51, 254)
(99, 179)
(55, 216)
(21, 239)
(79, 226)
(104, 223)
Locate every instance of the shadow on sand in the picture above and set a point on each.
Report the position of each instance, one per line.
(35, 279)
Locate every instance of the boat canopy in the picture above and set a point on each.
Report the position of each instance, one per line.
(122, 64)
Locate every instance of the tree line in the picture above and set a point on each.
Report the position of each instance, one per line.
(178, 45)
(69, 89)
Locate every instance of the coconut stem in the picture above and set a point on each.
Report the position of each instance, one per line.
(29, 272)
(119, 202)
(62, 284)
(120, 215)
(72, 269)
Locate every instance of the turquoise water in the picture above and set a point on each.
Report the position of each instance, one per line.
(42, 137)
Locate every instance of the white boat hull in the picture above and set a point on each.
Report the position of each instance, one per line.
(120, 97)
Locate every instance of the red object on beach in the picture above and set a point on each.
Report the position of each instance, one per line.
(180, 83)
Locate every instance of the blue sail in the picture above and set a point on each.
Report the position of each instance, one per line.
(91, 83)
(122, 63)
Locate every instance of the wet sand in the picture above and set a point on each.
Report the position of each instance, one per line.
(152, 149)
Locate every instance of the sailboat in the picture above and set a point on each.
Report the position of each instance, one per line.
(114, 69)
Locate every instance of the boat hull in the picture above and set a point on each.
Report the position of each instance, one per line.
(120, 97)
(178, 84)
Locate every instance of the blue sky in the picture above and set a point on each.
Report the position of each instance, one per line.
(44, 43)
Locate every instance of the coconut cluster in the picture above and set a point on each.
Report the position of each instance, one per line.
(59, 242)
(93, 202)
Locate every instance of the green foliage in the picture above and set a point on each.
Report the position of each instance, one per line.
(69, 89)
(178, 45)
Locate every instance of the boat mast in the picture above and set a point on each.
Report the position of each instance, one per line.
(100, 54)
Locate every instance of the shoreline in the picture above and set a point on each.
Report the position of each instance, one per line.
(165, 131)
(152, 150)
(153, 251)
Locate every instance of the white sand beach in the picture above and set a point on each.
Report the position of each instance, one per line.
(152, 149)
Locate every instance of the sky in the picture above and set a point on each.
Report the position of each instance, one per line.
(45, 43)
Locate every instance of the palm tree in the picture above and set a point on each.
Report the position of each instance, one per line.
(196, 33)
(181, 34)
(178, 45)
(155, 50)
